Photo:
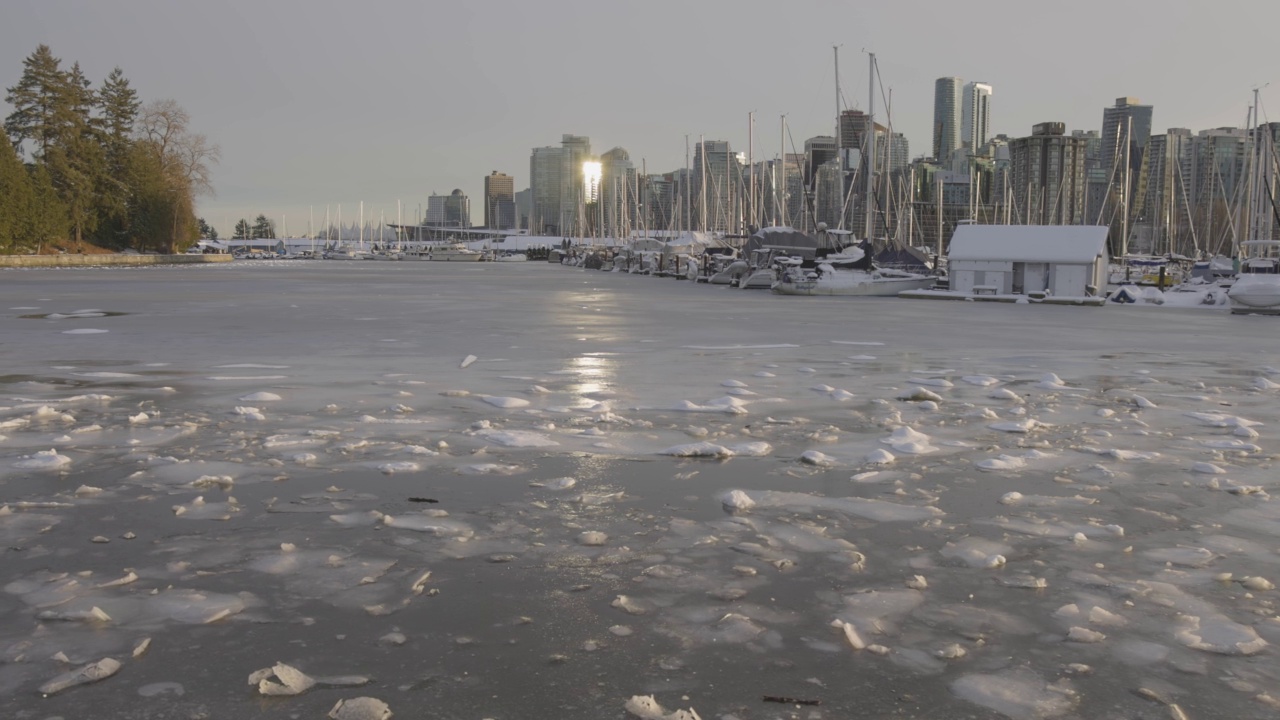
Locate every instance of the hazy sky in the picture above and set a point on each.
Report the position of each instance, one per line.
(317, 103)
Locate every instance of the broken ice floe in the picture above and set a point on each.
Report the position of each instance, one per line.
(909, 441)
(517, 438)
(878, 510)
(361, 708)
(283, 679)
(43, 460)
(647, 708)
(91, 673)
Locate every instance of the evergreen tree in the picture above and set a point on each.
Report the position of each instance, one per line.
(207, 231)
(243, 230)
(35, 101)
(117, 111)
(263, 228)
(75, 158)
(45, 215)
(15, 189)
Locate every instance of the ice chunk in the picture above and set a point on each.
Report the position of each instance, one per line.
(751, 449)
(361, 708)
(813, 457)
(1019, 694)
(647, 708)
(91, 673)
(592, 538)
(1025, 425)
(43, 460)
(506, 403)
(919, 394)
(392, 468)
(880, 457)
(1085, 635)
(701, 449)
(260, 397)
(908, 440)
(466, 361)
(517, 438)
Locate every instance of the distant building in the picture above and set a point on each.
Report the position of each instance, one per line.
(545, 167)
(574, 151)
(1126, 126)
(975, 115)
(1047, 177)
(499, 201)
(619, 193)
(946, 117)
(457, 210)
(435, 211)
(717, 173)
(524, 208)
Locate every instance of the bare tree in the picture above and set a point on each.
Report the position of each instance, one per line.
(187, 155)
(184, 158)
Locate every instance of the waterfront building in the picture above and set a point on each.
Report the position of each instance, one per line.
(1047, 175)
(457, 210)
(1162, 200)
(499, 201)
(435, 211)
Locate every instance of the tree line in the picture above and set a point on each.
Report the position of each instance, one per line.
(84, 164)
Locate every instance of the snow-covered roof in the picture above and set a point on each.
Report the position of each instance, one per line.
(1029, 243)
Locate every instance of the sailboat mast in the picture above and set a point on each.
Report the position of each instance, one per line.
(751, 163)
(1124, 219)
(702, 166)
(780, 215)
(870, 163)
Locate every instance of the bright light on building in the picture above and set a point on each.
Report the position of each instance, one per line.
(591, 174)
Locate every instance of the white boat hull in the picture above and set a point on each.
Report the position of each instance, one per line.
(854, 284)
(1255, 293)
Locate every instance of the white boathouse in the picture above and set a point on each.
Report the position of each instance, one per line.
(1059, 261)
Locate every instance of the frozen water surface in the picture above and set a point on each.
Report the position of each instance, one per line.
(573, 494)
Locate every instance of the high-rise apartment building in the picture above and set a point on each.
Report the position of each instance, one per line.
(1162, 199)
(618, 193)
(524, 208)
(1048, 177)
(435, 211)
(545, 167)
(1125, 129)
(975, 116)
(946, 117)
(499, 201)
(574, 151)
(717, 173)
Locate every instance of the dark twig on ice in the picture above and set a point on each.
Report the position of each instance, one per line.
(789, 701)
(423, 500)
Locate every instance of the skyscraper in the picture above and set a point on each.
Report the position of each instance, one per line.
(975, 116)
(1125, 129)
(545, 166)
(1048, 176)
(574, 151)
(946, 117)
(716, 174)
(499, 201)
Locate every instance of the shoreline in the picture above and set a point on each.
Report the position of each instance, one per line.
(68, 260)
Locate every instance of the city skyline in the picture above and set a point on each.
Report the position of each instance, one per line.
(309, 111)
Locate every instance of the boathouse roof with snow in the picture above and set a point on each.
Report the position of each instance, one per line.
(1061, 260)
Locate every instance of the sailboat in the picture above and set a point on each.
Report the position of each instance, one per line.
(849, 270)
(1257, 286)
